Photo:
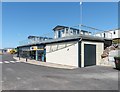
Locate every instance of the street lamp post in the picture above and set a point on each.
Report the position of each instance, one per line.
(79, 25)
(80, 17)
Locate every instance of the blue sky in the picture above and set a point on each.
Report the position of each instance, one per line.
(19, 20)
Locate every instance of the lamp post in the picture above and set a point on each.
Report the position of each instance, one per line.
(80, 17)
(80, 25)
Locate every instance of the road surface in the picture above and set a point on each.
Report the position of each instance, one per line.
(23, 76)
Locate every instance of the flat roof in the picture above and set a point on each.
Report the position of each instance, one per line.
(69, 38)
(29, 37)
(76, 37)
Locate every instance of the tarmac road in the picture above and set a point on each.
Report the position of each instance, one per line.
(24, 76)
(7, 57)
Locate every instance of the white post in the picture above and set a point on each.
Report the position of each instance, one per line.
(69, 31)
(80, 16)
(111, 35)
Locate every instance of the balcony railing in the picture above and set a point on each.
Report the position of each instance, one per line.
(44, 37)
(91, 31)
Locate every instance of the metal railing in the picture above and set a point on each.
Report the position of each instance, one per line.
(91, 31)
(29, 41)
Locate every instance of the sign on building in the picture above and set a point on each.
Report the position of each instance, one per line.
(33, 48)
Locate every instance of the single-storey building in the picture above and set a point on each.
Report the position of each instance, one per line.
(33, 49)
(79, 51)
(70, 46)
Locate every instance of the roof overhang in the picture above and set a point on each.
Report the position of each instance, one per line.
(69, 38)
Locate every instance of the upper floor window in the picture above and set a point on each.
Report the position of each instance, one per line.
(66, 31)
(84, 33)
(74, 31)
(104, 35)
(63, 31)
(114, 32)
(77, 31)
(59, 34)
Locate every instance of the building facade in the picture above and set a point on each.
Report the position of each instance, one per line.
(112, 34)
(63, 31)
(79, 52)
(34, 50)
(35, 39)
(70, 46)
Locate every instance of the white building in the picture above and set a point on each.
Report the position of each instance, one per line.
(74, 49)
(63, 31)
(78, 51)
(109, 34)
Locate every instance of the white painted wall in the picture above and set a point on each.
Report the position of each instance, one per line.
(116, 35)
(99, 51)
(109, 34)
(69, 32)
(55, 34)
(65, 34)
(64, 56)
(69, 55)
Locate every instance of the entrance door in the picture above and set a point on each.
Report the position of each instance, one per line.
(89, 55)
(32, 54)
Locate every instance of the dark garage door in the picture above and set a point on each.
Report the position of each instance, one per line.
(89, 55)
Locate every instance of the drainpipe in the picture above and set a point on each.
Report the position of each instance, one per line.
(79, 53)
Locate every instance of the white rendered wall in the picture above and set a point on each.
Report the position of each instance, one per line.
(109, 34)
(64, 56)
(99, 51)
(55, 34)
(116, 35)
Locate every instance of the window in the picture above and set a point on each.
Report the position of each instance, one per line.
(84, 33)
(104, 35)
(114, 32)
(77, 31)
(59, 34)
(66, 31)
(74, 32)
(63, 31)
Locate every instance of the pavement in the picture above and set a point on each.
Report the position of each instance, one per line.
(44, 63)
(25, 76)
